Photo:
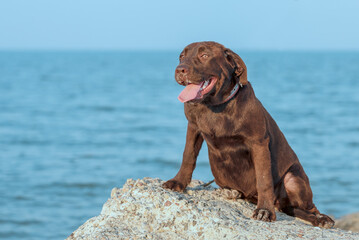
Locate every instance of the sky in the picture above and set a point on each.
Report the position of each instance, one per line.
(171, 25)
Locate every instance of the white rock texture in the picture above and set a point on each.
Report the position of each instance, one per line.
(142, 209)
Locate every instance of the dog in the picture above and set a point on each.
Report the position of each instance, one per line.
(247, 150)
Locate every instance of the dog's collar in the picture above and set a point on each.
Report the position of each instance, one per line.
(233, 92)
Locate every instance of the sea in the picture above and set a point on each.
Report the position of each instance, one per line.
(75, 124)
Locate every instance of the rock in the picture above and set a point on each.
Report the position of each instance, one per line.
(142, 209)
(349, 222)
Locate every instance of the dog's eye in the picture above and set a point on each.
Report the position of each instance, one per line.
(204, 56)
(181, 57)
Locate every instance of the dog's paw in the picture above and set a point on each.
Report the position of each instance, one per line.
(174, 185)
(324, 221)
(232, 194)
(264, 215)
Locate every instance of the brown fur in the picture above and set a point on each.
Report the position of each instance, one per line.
(247, 151)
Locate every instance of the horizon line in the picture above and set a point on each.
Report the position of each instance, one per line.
(172, 49)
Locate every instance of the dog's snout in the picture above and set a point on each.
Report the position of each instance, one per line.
(181, 74)
(182, 69)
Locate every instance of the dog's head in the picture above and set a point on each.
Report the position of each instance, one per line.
(209, 71)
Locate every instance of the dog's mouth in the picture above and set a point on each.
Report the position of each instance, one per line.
(197, 91)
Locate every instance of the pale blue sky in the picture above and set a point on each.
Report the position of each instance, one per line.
(116, 24)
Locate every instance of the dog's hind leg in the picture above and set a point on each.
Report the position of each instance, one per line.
(299, 199)
(316, 219)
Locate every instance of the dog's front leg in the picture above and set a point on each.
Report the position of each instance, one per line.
(194, 142)
(264, 181)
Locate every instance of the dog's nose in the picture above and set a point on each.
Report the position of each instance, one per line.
(182, 69)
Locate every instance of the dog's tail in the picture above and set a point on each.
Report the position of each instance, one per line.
(207, 184)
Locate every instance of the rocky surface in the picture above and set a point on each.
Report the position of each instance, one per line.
(349, 222)
(142, 209)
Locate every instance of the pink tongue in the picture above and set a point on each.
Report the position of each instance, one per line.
(189, 93)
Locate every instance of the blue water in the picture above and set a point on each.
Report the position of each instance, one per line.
(73, 125)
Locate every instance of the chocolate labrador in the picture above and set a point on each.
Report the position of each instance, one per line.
(247, 150)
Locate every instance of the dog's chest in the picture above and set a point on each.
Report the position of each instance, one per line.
(217, 125)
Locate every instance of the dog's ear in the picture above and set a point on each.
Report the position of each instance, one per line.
(240, 69)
